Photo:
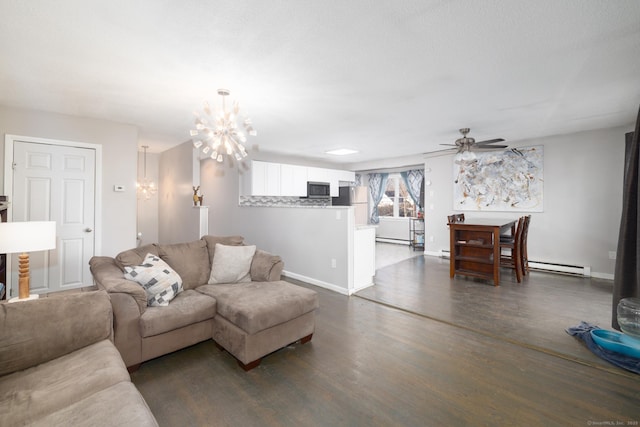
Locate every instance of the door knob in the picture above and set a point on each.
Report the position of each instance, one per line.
(88, 230)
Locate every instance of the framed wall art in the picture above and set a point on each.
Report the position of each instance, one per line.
(508, 180)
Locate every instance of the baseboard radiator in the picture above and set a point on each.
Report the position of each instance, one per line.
(396, 241)
(574, 270)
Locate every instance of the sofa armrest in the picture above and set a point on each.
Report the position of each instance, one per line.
(37, 331)
(108, 276)
(266, 267)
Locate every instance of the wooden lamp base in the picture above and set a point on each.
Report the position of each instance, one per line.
(23, 276)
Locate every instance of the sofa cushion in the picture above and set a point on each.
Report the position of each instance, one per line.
(30, 394)
(118, 405)
(255, 306)
(135, 256)
(159, 281)
(265, 267)
(47, 340)
(190, 260)
(187, 308)
(231, 264)
(223, 240)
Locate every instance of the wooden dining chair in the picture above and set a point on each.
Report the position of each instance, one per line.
(523, 250)
(455, 218)
(513, 245)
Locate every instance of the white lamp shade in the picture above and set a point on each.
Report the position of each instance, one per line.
(29, 236)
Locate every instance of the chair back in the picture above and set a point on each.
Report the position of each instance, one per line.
(523, 244)
(455, 218)
(525, 230)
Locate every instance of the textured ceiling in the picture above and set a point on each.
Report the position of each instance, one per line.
(388, 78)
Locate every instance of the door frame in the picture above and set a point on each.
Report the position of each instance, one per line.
(8, 183)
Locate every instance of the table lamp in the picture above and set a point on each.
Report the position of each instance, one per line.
(24, 237)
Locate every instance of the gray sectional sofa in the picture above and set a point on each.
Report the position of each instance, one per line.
(58, 366)
(250, 317)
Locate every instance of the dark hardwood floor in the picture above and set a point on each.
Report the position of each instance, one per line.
(416, 349)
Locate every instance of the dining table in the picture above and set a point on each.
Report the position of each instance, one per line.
(475, 246)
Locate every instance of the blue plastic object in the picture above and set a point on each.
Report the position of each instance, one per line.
(616, 341)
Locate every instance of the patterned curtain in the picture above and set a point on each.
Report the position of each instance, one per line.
(377, 185)
(413, 181)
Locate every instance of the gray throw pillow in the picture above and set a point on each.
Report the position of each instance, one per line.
(231, 264)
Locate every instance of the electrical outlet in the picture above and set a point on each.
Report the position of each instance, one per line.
(431, 239)
(612, 254)
(333, 263)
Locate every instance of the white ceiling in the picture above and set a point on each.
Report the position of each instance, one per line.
(388, 78)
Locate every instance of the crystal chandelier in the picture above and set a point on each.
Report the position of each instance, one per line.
(218, 134)
(146, 188)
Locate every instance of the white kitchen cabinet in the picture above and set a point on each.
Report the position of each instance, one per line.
(276, 179)
(262, 179)
(293, 180)
(317, 174)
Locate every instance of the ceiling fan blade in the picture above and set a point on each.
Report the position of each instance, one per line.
(489, 141)
(489, 147)
(450, 145)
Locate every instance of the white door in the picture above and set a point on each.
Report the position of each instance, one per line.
(56, 183)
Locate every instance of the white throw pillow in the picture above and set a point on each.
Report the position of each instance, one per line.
(160, 282)
(231, 264)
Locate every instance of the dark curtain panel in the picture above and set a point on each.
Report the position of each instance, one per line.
(626, 281)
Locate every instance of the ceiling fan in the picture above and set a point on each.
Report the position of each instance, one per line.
(467, 143)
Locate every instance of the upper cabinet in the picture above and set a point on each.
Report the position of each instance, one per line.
(262, 179)
(276, 179)
(293, 180)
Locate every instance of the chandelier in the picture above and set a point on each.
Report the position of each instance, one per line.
(218, 134)
(146, 188)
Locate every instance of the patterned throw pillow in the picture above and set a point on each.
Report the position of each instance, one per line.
(159, 281)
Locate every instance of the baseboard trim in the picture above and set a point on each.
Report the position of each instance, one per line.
(316, 282)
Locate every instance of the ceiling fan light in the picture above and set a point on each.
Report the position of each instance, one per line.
(468, 156)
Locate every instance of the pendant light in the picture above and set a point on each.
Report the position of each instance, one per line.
(146, 188)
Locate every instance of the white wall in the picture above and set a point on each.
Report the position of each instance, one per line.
(178, 219)
(119, 151)
(583, 175)
(147, 218)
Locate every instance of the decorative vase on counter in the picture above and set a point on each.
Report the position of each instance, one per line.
(629, 316)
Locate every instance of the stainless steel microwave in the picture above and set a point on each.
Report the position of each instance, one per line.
(318, 190)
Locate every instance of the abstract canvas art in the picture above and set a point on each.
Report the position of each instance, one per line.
(509, 180)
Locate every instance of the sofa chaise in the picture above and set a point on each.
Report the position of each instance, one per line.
(248, 315)
(59, 367)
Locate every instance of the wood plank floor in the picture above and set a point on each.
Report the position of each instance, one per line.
(372, 364)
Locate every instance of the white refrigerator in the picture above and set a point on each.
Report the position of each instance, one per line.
(359, 201)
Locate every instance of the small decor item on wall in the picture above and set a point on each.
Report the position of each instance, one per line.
(196, 198)
(509, 180)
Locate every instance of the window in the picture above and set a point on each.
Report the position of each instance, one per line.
(396, 202)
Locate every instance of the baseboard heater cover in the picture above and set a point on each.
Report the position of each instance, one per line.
(396, 241)
(576, 270)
